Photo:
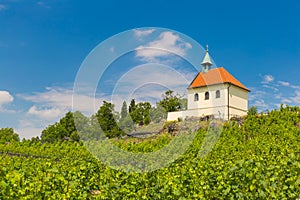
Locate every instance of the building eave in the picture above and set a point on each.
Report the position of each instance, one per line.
(246, 89)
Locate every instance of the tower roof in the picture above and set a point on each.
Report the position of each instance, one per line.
(206, 59)
(215, 76)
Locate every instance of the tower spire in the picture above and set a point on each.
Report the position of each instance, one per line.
(206, 63)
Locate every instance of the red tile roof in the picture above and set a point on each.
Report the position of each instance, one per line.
(215, 76)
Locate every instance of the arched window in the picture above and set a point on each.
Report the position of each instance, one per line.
(196, 97)
(218, 94)
(206, 95)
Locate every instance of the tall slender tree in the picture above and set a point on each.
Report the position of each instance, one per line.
(124, 111)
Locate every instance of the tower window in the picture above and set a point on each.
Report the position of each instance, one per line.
(218, 94)
(196, 97)
(206, 95)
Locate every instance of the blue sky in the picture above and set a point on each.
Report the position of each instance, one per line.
(44, 43)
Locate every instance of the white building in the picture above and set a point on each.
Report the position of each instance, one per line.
(214, 92)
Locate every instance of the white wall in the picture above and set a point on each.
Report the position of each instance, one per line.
(212, 102)
(238, 102)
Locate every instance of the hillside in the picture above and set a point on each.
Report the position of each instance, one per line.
(256, 160)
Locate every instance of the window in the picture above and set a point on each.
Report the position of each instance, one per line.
(218, 94)
(196, 97)
(206, 95)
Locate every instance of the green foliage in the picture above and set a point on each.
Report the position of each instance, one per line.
(61, 130)
(171, 102)
(106, 119)
(252, 110)
(256, 160)
(158, 113)
(139, 113)
(126, 124)
(124, 111)
(8, 135)
(132, 106)
(183, 103)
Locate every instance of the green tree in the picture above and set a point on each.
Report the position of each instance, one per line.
(158, 113)
(126, 124)
(183, 103)
(60, 130)
(124, 111)
(81, 121)
(91, 130)
(140, 112)
(8, 135)
(68, 123)
(132, 106)
(252, 110)
(170, 102)
(106, 119)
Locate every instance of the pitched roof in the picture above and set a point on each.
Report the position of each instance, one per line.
(206, 59)
(215, 76)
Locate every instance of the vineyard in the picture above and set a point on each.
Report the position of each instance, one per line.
(258, 159)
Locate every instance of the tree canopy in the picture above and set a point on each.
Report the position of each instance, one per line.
(64, 129)
(106, 119)
(171, 102)
(140, 112)
(124, 111)
(8, 135)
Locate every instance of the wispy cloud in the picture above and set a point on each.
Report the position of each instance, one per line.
(296, 98)
(283, 83)
(141, 33)
(28, 128)
(268, 78)
(166, 44)
(150, 81)
(256, 94)
(261, 104)
(5, 99)
(28, 132)
(275, 89)
(272, 93)
(2, 7)
(49, 106)
(47, 113)
(43, 4)
(56, 101)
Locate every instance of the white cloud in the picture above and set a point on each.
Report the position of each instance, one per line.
(49, 106)
(261, 104)
(3, 7)
(297, 87)
(271, 87)
(141, 33)
(50, 113)
(31, 127)
(278, 96)
(52, 97)
(286, 100)
(5, 98)
(296, 98)
(167, 43)
(43, 4)
(57, 100)
(28, 132)
(256, 94)
(148, 82)
(283, 83)
(268, 79)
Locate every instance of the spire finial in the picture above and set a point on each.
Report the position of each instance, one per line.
(206, 63)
